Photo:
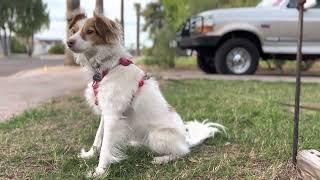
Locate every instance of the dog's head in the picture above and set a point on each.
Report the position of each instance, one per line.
(86, 33)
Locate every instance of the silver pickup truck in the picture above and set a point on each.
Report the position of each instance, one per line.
(232, 41)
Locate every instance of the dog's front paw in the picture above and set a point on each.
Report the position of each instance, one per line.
(135, 143)
(97, 173)
(86, 154)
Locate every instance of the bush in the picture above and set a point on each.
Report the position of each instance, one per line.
(161, 53)
(16, 46)
(56, 49)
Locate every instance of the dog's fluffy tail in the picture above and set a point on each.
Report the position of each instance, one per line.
(197, 131)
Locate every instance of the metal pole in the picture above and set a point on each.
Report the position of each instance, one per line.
(298, 83)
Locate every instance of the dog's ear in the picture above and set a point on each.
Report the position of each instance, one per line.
(74, 19)
(107, 29)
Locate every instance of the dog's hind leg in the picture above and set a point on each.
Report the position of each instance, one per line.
(169, 143)
(96, 147)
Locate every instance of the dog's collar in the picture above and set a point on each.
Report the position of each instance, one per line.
(99, 76)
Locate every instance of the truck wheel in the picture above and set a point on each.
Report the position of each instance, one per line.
(237, 56)
(206, 64)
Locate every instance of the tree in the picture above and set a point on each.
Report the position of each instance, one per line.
(72, 5)
(3, 29)
(32, 16)
(176, 12)
(99, 6)
(8, 14)
(122, 18)
(161, 32)
(138, 9)
(154, 17)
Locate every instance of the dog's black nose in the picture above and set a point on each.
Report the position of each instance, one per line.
(71, 42)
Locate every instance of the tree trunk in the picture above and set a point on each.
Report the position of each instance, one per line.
(122, 19)
(28, 45)
(9, 43)
(71, 6)
(1, 40)
(5, 43)
(99, 6)
(31, 43)
(138, 9)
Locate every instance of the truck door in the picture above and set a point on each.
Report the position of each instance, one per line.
(288, 29)
(312, 30)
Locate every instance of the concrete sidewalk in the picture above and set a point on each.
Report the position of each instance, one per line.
(31, 88)
(195, 74)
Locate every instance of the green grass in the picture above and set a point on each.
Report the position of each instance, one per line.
(182, 62)
(186, 62)
(44, 142)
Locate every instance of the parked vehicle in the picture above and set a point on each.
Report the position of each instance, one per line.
(232, 41)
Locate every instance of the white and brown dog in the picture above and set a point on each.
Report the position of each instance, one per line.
(130, 103)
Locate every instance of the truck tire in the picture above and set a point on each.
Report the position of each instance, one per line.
(237, 56)
(206, 64)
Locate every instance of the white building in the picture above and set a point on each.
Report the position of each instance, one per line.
(41, 46)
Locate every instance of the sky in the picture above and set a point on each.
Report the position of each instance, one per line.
(57, 11)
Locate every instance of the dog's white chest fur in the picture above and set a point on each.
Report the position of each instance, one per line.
(120, 84)
(144, 107)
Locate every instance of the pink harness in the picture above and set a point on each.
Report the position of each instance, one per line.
(96, 81)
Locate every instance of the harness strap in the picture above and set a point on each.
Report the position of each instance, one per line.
(125, 62)
(98, 77)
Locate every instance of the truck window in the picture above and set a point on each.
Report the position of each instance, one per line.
(294, 3)
(318, 4)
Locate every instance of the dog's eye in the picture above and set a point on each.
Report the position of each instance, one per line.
(72, 31)
(90, 31)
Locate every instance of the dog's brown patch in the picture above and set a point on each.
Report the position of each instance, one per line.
(90, 32)
(74, 29)
(100, 30)
(107, 29)
(72, 21)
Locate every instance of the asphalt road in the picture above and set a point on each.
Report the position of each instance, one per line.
(31, 88)
(10, 66)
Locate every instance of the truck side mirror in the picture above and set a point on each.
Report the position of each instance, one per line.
(310, 4)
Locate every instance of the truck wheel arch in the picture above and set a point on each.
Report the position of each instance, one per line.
(253, 37)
